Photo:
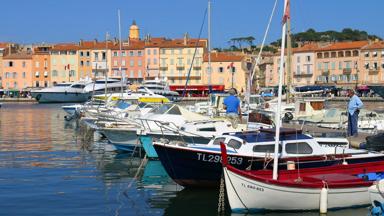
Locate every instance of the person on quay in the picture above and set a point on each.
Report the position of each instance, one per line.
(354, 106)
(232, 107)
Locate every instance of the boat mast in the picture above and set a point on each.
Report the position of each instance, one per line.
(289, 58)
(106, 65)
(209, 44)
(120, 54)
(278, 111)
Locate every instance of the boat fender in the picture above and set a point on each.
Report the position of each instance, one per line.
(324, 199)
(291, 165)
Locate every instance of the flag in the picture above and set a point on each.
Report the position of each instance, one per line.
(230, 65)
(287, 14)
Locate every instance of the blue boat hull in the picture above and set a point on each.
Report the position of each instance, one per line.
(195, 168)
(146, 142)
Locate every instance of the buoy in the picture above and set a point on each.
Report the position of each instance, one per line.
(323, 200)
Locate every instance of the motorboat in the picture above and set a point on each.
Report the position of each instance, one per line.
(63, 93)
(100, 86)
(160, 87)
(196, 165)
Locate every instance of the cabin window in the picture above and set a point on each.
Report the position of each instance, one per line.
(333, 144)
(298, 148)
(212, 129)
(217, 141)
(317, 105)
(265, 148)
(234, 144)
(174, 111)
(302, 106)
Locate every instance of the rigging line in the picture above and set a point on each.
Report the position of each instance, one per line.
(194, 54)
(263, 42)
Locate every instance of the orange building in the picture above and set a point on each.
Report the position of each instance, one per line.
(17, 70)
(338, 63)
(372, 63)
(41, 66)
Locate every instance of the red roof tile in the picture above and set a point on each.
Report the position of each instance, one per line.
(223, 57)
(344, 45)
(375, 45)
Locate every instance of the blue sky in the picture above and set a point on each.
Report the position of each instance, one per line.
(52, 21)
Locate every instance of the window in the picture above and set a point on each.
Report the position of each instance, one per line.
(148, 51)
(220, 70)
(88, 53)
(115, 54)
(81, 53)
(154, 51)
(340, 65)
(45, 63)
(14, 75)
(180, 61)
(308, 58)
(155, 61)
(131, 63)
(115, 63)
(172, 61)
(374, 54)
(333, 65)
(210, 129)
(319, 66)
(139, 53)
(54, 73)
(131, 74)
(122, 62)
(366, 54)
(81, 63)
(265, 148)
(366, 65)
(45, 74)
(96, 56)
(139, 62)
(37, 74)
(103, 56)
(131, 53)
(233, 69)
(298, 69)
(23, 64)
(37, 84)
(37, 64)
(24, 74)
(139, 74)
(333, 54)
(148, 61)
(234, 144)
(123, 53)
(217, 141)
(162, 51)
(45, 84)
(88, 63)
(298, 148)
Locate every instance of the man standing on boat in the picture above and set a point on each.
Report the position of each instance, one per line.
(354, 107)
(232, 107)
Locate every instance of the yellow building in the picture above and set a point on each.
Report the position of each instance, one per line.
(64, 63)
(176, 58)
(227, 70)
(134, 31)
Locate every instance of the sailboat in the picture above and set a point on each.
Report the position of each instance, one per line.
(320, 188)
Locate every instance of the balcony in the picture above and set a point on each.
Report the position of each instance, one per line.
(196, 67)
(373, 71)
(347, 71)
(163, 68)
(176, 77)
(180, 67)
(302, 74)
(325, 72)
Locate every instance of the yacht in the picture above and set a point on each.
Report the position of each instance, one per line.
(62, 93)
(160, 87)
(112, 85)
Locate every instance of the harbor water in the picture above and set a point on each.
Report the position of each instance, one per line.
(48, 168)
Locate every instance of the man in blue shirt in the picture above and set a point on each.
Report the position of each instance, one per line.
(354, 107)
(232, 107)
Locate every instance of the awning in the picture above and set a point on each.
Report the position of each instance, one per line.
(363, 88)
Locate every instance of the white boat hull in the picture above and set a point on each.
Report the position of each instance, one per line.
(121, 136)
(60, 97)
(248, 195)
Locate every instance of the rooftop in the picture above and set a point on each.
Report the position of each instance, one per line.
(224, 57)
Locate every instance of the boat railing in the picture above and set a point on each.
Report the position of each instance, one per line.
(164, 127)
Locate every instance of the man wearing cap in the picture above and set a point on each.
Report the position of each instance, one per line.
(232, 107)
(354, 107)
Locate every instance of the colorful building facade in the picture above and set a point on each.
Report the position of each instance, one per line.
(41, 66)
(17, 71)
(64, 63)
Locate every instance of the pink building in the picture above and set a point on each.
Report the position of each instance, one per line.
(130, 61)
(17, 70)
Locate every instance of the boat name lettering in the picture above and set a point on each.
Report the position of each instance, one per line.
(252, 187)
(217, 158)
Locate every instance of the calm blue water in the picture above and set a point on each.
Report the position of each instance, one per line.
(45, 169)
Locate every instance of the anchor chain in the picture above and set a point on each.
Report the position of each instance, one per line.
(221, 204)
